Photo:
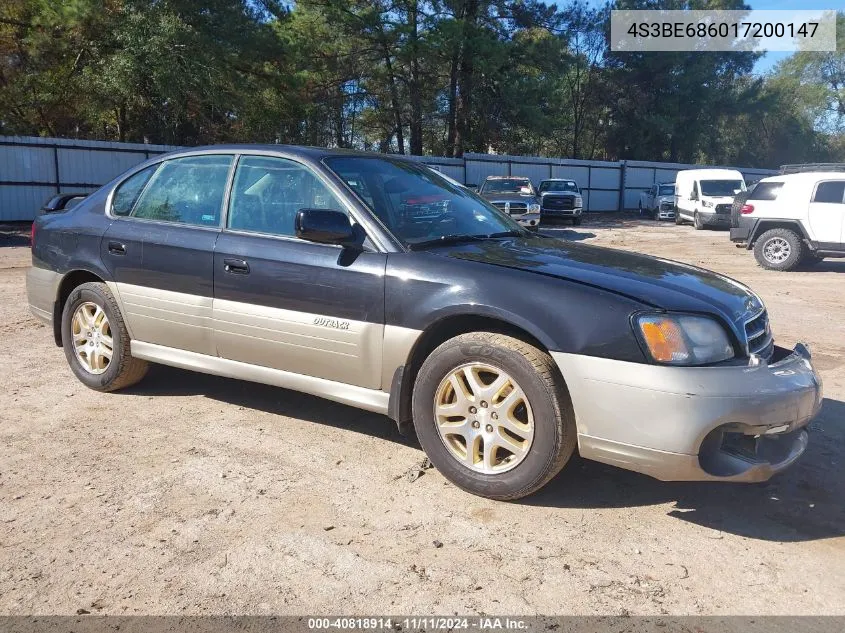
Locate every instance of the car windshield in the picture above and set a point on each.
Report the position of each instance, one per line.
(666, 190)
(507, 185)
(558, 185)
(417, 204)
(721, 187)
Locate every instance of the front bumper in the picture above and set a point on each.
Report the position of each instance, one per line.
(711, 218)
(528, 220)
(562, 213)
(725, 423)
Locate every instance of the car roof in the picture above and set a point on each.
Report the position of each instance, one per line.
(507, 178)
(712, 173)
(558, 180)
(304, 151)
(806, 176)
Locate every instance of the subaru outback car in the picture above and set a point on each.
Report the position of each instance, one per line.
(372, 281)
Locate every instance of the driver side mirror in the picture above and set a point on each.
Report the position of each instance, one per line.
(324, 226)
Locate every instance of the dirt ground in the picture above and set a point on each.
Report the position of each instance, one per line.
(191, 494)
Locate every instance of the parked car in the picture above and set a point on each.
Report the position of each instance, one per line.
(372, 281)
(515, 196)
(659, 201)
(61, 202)
(794, 219)
(560, 198)
(704, 196)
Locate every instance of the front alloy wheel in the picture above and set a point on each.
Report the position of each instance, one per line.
(493, 414)
(484, 418)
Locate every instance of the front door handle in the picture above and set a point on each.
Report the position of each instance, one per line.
(116, 248)
(236, 266)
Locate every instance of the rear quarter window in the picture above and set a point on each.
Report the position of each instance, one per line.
(830, 191)
(766, 191)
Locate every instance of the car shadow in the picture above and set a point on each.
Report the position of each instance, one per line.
(170, 381)
(802, 504)
(566, 234)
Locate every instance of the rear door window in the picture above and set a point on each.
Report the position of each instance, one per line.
(766, 191)
(127, 193)
(831, 191)
(186, 190)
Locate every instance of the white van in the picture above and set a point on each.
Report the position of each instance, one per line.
(704, 196)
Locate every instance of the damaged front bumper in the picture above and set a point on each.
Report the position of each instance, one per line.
(726, 423)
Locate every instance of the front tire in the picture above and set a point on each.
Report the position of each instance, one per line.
(96, 341)
(493, 415)
(779, 249)
(576, 221)
(696, 221)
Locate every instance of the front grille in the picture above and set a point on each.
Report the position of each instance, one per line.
(565, 203)
(514, 208)
(666, 206)
(723, 208)
(758, 334)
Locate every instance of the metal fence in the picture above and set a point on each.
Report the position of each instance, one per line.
(32, 169)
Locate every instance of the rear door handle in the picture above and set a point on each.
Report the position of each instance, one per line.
(116, 248)
(236, 266)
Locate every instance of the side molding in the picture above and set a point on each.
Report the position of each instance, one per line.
(360, 397)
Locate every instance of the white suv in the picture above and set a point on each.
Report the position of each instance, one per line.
(793, 219)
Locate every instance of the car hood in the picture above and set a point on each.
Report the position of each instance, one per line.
(558, 193)
(650, 280)
(666, 198)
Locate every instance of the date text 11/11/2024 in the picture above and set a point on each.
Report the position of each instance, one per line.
(481, 623)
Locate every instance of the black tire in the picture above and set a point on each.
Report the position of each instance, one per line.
(678, 219)
(696, 221)
(534, 370)
(576, 221)
(795, 253)
(640, 208)
(122, 370)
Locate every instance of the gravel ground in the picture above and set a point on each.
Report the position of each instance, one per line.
(190, 494)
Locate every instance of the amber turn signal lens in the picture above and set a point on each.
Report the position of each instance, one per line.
(664, 339)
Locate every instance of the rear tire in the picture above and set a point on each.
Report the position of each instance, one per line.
(779, 249)
(96, 341)
(531, 406)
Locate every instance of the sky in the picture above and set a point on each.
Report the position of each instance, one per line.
(768, 61)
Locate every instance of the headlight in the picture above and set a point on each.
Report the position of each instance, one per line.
(533, 208)
(579, 201)
(684, 339)
(707, 203)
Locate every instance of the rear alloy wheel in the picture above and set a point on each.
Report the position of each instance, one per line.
(493, 415)
(96, 341)
(779, 249)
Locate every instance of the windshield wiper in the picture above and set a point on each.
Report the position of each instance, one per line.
(456, 238)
